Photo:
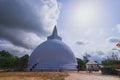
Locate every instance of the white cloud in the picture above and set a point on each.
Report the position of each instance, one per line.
(118, 27)
(26, 23)
(17, 51)
(96, 31)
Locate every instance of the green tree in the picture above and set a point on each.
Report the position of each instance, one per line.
(80, 65)
(110, 62)
(23, 62)
(86, 58)
(6, 59)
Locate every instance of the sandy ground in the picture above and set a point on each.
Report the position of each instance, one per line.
(21, 78)
(90, 76)
(72, 76)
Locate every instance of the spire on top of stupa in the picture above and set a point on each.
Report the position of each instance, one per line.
(54, 35)
(55, 31)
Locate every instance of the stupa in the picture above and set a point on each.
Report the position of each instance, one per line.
(52, 55)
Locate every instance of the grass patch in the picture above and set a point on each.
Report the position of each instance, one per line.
(41, 75)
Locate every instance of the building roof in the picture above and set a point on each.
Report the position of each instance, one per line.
(91, 62)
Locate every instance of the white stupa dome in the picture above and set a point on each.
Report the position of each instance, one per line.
(52, 54)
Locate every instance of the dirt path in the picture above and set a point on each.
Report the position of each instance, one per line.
(92, 76)
(59, 76)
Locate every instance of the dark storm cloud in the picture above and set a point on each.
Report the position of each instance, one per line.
(20, 17)
(14, 36)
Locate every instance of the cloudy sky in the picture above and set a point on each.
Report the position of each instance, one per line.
(87, 26)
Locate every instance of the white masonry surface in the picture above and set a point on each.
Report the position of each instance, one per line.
(52, 54)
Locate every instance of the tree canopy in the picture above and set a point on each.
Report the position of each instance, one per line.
(8, 60)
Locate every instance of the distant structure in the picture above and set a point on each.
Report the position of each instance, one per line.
(52, 55)
(92, 66)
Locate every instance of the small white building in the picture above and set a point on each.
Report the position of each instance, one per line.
(92, 66)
